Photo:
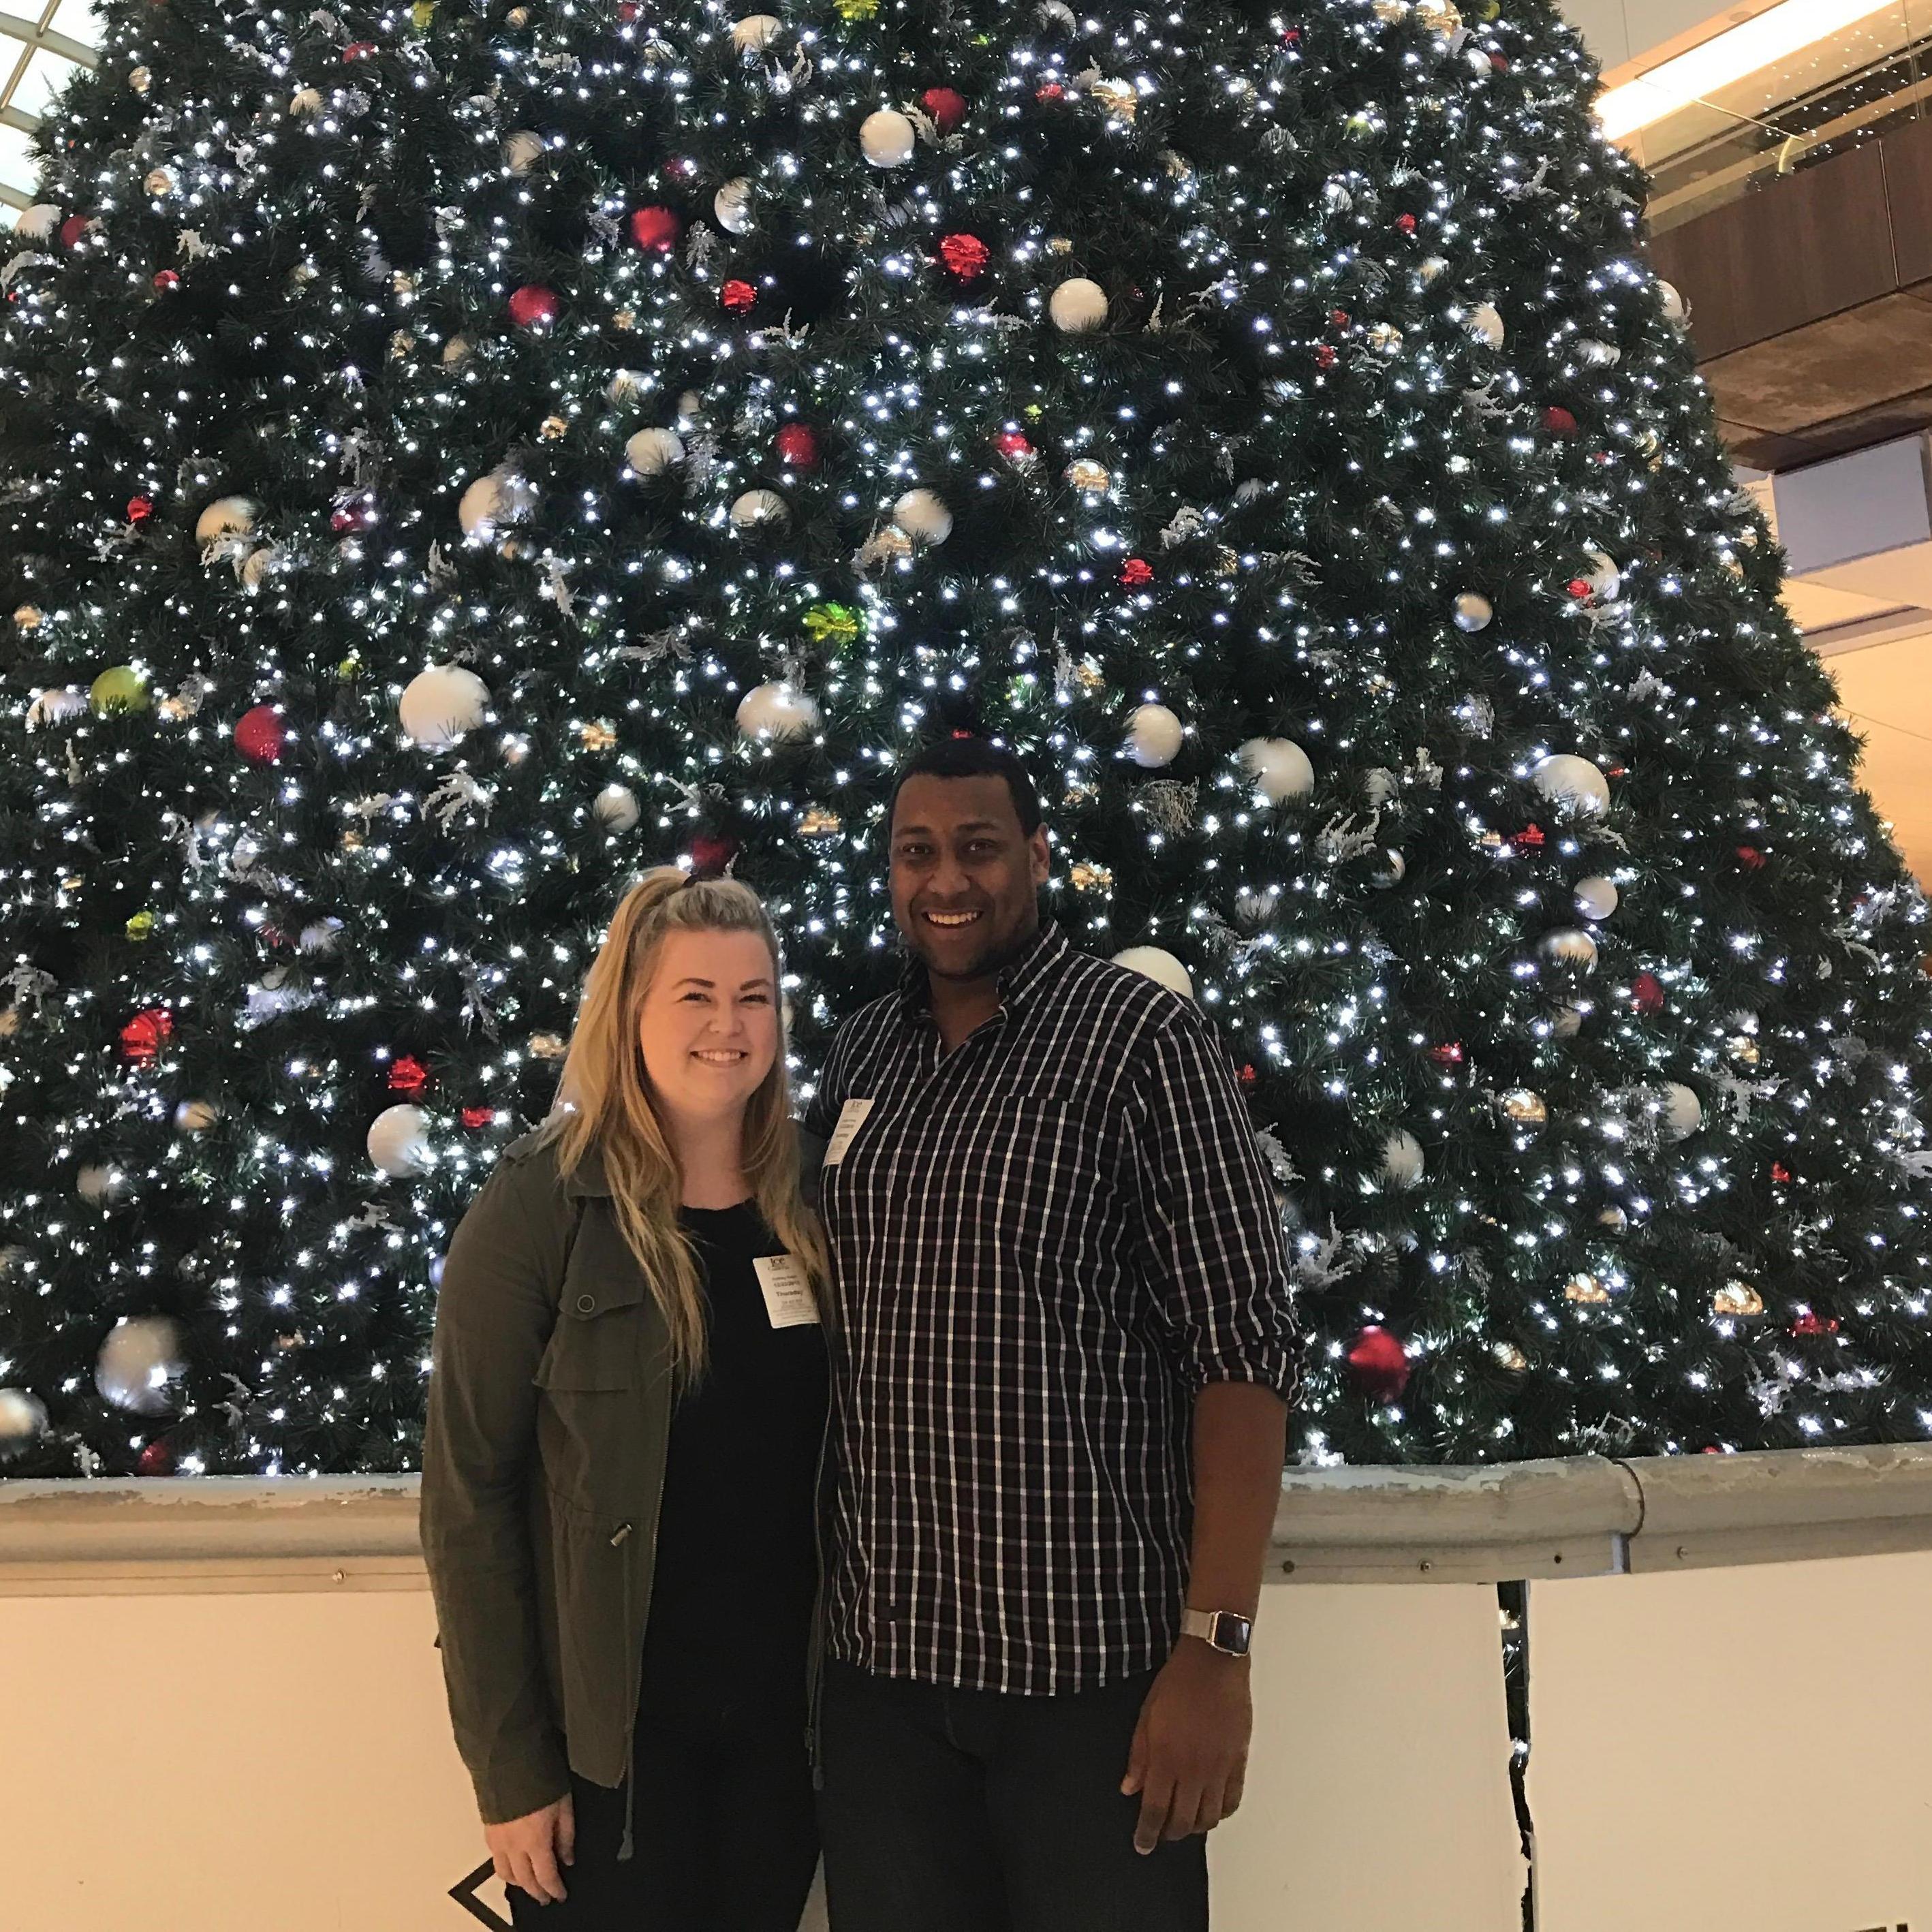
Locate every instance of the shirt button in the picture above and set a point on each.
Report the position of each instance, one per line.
(586, 1303)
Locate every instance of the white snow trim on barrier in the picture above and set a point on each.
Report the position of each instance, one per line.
(1586, 1515)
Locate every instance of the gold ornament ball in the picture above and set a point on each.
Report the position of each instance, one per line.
(1385, 338)
(625, 318)
(9, 1021)
(1059, 244)
(1087, 878)
(547, 1046)
(353, 840)
(1511, 1356)
(400, 343)
(1439, 17)
(1391, 10)
(1084, 473)
(512, 548)
(1088, 676)
(1586, 1289)
(28, 617)
(552, 427)
(1744, 1050)
(1737, 1297)
(159, 181)
(518, 16)
(597, 735)
(1525, 1108)
(818, 822)
(892, 542)
(140, 80)
(1117, 98)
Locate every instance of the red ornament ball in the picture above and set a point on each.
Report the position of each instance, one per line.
(1378, 1364)
(798, 446)
(166, 281)
(258, 735)
(1406, 223)
(1499, 63)
(358, 50)
(1324, 355)
(353, 517)
(73, 231)
(141, 1037)
(1647, 993)
(1780, 1173)
(1809, 1323)
(532, 306)
(1449, 1054)
(157, 1458)
(1051, 91)
(966, 255)
(711, 852)
(408, 1075)
(1136, 572)
(1558, 421)
(1750, 858)
(1339, 318)
(474, 1117)
(946, 106)
(655, 227)
(1579, 588)
(681, 168)
(1291, 36)
(738, 297)
(139, 509)
(629, 11)
(1013, 445)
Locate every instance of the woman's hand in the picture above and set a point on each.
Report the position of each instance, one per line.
(526, 1851)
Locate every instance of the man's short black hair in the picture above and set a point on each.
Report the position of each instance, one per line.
(973, 758)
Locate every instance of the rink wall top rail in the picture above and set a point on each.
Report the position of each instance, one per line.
(1581, 1516)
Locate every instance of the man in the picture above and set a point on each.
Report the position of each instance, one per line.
(1058, 1259)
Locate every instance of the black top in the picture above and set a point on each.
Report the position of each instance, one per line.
(737, 1567)
(1046, 1242)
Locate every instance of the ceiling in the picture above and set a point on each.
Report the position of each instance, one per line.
(39, 53)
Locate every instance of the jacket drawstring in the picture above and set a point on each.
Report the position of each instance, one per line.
(627, 1846)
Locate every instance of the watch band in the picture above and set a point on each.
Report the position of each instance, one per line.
(1225, 1630)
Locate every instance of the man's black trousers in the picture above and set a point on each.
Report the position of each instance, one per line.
(976, 1811)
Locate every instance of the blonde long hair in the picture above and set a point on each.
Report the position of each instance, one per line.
(610, 1107)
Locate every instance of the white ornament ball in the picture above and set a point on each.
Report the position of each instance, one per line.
(456, 351)
(627, 385)
(1392, 870)
(39, 222)
(1280, 769)
(1596, 898)
(1431, 269)
(1485, 322)
(22, 1419)
(100, 1185)
(1597, 355)
(398, 1142)
(760, 509)
(1402, 1158)
(755, 32)
(522, 150)
(923, 516)
(195, 1117)
(1570, 945)
(777, 710)
(616, 808)
(260, 565)
(1154, 737)
(441, 704)
(1602, 576)
(887, 139)
(322, 938)
(1569, 780)
(1473, 612)
(306, 103)
(690, 409)
(1683, 1111)
(492, 502)
(225, 516)
(55, 705)
(1567, 1022)
(1077, 305)
(732, 205)
(1676, 308)
(651, 452)
(1155, 963)
(138, 1360)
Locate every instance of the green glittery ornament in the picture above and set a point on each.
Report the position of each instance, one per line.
(141, 926)
(831, 624)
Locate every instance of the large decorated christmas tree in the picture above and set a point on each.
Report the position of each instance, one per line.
(453, 457)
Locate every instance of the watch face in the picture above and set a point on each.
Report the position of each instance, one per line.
(1230, 1633)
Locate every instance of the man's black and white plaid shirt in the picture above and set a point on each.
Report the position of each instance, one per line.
(1044, 1244)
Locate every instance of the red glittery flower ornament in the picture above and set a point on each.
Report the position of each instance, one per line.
(1135, 571)
(408, 1075)
(966, 255)
(738, 296)
(141, 1037)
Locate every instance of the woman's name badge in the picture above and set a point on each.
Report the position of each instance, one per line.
(851, 1118)
(787, 1291)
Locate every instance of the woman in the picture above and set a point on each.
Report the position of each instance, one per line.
(625, 1426)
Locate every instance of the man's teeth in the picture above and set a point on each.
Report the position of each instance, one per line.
(952, 918)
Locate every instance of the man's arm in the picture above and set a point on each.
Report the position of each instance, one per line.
(1189, 1757)
(1213, 1249)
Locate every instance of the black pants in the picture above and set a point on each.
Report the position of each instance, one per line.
(724, 1839)
(973, 1811)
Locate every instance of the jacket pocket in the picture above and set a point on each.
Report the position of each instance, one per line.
(598, 1342)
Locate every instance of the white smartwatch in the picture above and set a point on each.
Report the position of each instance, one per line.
(1223, 1630)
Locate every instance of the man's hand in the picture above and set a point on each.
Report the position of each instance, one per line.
(1190, 1756)
(526, 1851)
